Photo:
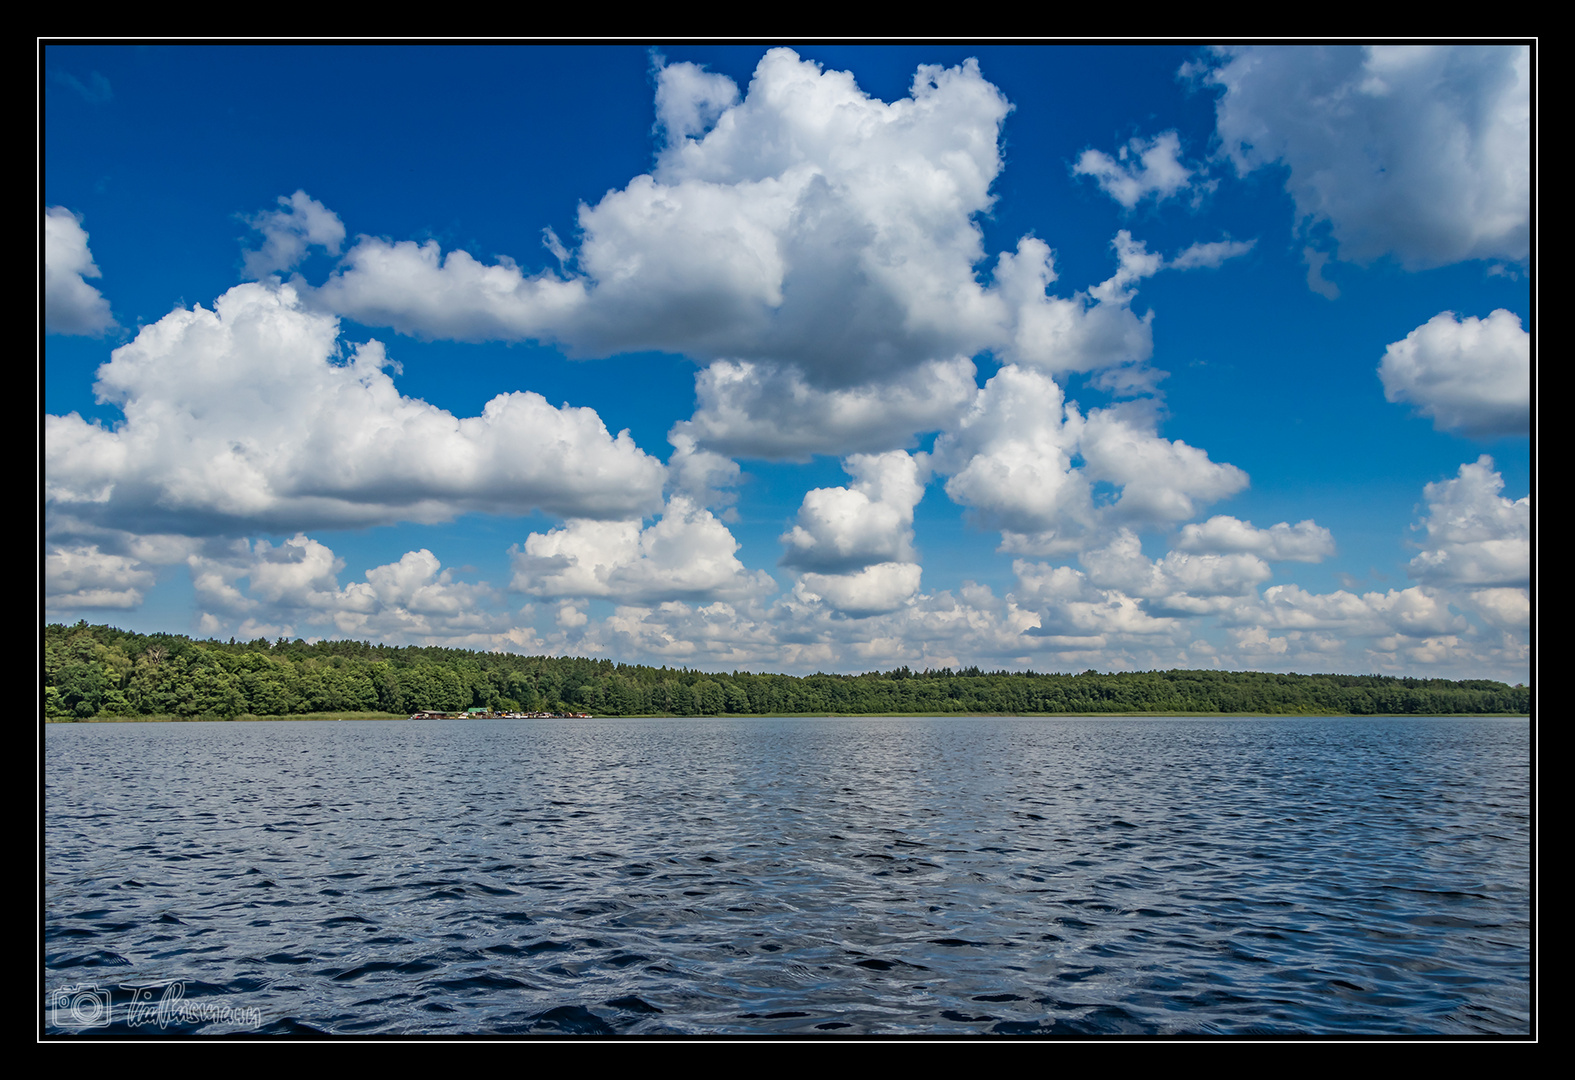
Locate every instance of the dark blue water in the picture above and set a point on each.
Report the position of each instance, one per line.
(853, 876)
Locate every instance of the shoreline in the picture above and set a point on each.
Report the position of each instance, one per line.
(334, 717)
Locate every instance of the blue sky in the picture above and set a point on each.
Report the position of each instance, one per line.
(797, 358)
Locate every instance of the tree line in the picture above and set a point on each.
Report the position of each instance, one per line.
(101, 671)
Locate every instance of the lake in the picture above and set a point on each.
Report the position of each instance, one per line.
(858, 876)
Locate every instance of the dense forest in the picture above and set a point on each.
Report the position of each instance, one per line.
(95, 671)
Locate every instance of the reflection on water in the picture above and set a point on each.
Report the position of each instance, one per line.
(860, 876)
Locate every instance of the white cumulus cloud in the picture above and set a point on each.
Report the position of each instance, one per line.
(1013, 459)
(273, 589)
(287, 233)
(1010, 457)
(874, 590)
(242, 418)
(1507, 609)
(811, 225)
(1180, 582)
(82, 576)
(756, 409)
(813, 246)
(1476, 538)
(71, 305)
(1422, 152)
(1161, 480)
(1091, 330)
(1141, 169)
(686, 554)
(1412, 612)
(689, 99)
(871, 521)
(1306, 541)
(1470, 375)
(1072, 608)
(706, 477)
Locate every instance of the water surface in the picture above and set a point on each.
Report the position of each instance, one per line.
(854, 876)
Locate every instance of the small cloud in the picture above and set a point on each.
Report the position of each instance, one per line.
(1210, 256)
(82, 576)
(1470, 375)
(550, 241)
(1315, 279)
(71, 305)
(1305, 541)
(287, 233)
(95, 91)
(1476, 538)
(687, 554)
(874, 590)
(1140, 169)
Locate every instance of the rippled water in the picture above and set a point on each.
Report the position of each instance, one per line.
(861, 876)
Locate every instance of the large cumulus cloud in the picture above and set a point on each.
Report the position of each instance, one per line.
(1026, 461)
(1422, 152)
(811, 224)
(816, 249)
(247, 417)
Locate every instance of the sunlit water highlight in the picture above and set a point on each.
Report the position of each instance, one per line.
(854, 876)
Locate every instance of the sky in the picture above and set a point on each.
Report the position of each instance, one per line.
(796, 358)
